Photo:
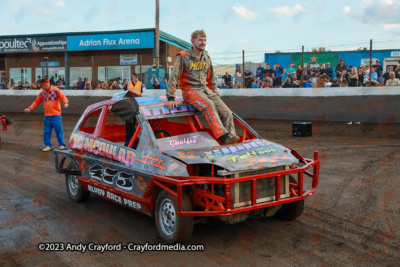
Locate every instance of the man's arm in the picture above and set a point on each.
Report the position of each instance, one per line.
(63, 98)
(212, 80)
(34, 104)
(173, 79)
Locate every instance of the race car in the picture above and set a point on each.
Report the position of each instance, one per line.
(168, 165)
(3, 124)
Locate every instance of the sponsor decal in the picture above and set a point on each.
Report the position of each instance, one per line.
(197, 66)
(116, 198)
(203, 106)
(102, 148)
(187, 141)
(251, 154)
(152, 161)
(237, 148)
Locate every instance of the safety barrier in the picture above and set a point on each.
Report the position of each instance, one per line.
(366, 104)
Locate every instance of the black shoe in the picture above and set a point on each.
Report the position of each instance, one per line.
(228, 139)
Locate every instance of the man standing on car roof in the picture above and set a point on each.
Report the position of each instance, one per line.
(50, 96)
(194, 70)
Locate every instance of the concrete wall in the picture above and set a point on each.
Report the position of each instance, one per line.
(375, 104)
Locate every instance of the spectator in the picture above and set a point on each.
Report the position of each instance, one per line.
(248, 74)
(393, 81)
(120, 85)
(20, 87)
(238, 72)
(38, 81)
(308, 69)
(360, 74)
(386, 76)
(314, 79)
(258, 82)
(353, 77)
(329, 71)
(238, 85)
(291, 70)
(321, 81)
(52, 81)
(314, 71)
(366, 69)
(27, 86)
(104, 86)
(60, 86)
(279, 72)
(374, 76)
(34, 87)
(114, 86)
(260, 71)
(288, 82)
(268, 84)
(98, 86)
(154, 82)
(223, 86)
(397, 71)
(299, 71)
(308, 83)
(164, 85)
(268, 71)
(227, 78)
(340, 69)
(231, 85)
(75, 85)
(110, 84)
(60, 80)
(80, 83)
(253, 83)
(88, 84)
(343, 82)
(321, 69)
(378, 69)
(335, 83)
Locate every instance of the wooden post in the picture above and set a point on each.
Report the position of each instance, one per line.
(370, 62)
(157, 46)
(302, 67)
(243, 70)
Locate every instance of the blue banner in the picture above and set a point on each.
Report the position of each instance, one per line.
(50, 64)
(134, 40)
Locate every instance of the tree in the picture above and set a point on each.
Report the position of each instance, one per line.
(278, 52)
(319, 49)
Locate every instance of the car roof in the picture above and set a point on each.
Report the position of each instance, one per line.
(148, 104)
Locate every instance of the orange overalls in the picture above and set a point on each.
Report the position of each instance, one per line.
(199, 89)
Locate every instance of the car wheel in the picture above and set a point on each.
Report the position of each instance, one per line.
(171, 227)
(292, 210)
(75, 190)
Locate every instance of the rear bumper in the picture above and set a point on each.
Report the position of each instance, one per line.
(3, 123)
(222, 206)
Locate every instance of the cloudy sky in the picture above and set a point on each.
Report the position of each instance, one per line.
(253, 25)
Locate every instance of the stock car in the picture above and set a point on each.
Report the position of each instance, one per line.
(168, 165)
(3, 124)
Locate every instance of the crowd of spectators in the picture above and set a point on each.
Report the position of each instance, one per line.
(313, 76)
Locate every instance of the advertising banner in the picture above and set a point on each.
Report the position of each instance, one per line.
(134, 40)
(33, 44)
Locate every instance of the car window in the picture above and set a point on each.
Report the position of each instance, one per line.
(90, 122)
(114, 129)
(173, 126)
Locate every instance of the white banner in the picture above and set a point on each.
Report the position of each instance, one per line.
(128, 59)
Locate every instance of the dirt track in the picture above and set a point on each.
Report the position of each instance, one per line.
(352, 220)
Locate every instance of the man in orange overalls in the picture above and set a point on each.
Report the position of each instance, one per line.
(194, 69)
(51, 96)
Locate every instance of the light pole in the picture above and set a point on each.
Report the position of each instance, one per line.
(157, 52)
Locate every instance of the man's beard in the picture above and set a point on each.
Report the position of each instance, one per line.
(199, 48)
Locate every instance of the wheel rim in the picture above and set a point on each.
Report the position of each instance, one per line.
(73, 184)
(167, 217)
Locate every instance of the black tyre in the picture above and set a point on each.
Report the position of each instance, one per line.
(75, 190)
(171, 227)
(292, 210)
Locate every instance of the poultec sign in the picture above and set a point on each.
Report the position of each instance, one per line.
(11, 45)
(111, 41)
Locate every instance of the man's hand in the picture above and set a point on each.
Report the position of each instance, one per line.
(27, 110)
(65, 105)
(171, 105)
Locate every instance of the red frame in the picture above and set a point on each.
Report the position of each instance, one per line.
(214, 205)
(3, 121)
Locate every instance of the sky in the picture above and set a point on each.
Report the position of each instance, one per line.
(231, 26)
